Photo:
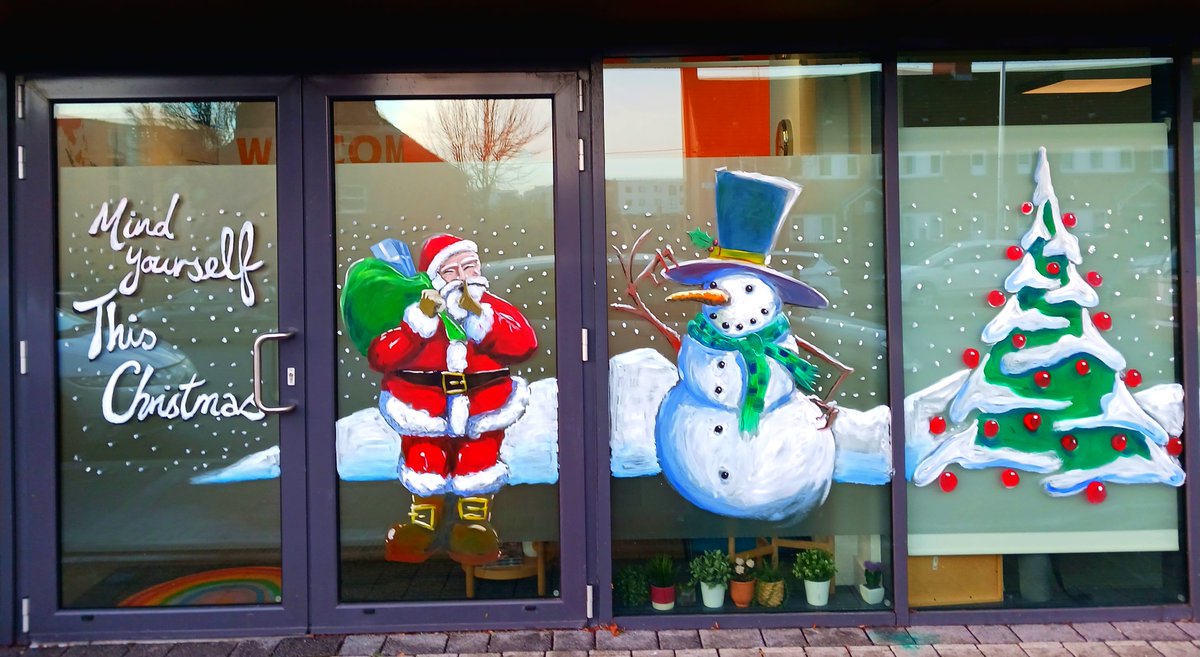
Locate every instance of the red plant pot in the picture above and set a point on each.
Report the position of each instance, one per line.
(662, 598)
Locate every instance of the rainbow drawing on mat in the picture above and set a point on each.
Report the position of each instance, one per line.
(228, 586)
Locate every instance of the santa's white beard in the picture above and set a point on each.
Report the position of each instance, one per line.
(452, 293)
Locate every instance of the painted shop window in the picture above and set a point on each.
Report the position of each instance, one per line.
(447, 437)
(166, 275)
(1043, 400)
(749, 428)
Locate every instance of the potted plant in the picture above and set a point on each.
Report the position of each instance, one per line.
(871, 589)
(770, 587)
(660, 571)
(712, 570)
(816, 567)
(741, 582)
(631, 587)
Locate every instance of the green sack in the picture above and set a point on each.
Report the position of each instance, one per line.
(374, 298)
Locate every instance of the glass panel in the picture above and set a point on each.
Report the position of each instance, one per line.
(1044, 410)
(447, 440)
(750, 434)
(166, 274)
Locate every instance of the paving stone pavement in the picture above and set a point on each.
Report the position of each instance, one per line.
(1093, 639)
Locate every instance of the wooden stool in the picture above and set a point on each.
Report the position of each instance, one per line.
(528, 567)
(770, 546)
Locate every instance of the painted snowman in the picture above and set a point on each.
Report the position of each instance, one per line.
(741, 434)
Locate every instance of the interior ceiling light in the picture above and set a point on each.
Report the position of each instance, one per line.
(1097, 86)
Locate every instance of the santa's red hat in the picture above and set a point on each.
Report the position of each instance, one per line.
(438, 248)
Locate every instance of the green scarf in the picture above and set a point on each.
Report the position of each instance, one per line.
(755, 348)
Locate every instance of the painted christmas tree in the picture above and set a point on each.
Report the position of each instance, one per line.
(1049, 394)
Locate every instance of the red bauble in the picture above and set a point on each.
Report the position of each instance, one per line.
(1010, 478)
(991, 428)
(1015, 252)
(1133, 378)
(1069, 443)
(1069, 219)
(1033, 421)
(1042, 379)
(1103, 321)
(1018, 340)
(995, 298)
(948, 481)
(1095, 279)
(1174, 446)
(1119, 442)
(1082, 367)
(1096, 492)
(937, 424)
(1026, 207)
(971, 358)
(1053, 268)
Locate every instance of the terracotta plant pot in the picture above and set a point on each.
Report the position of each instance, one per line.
(741, 592)
(770, 594)
(662, 598)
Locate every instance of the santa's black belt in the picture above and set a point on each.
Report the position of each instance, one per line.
(453, 383)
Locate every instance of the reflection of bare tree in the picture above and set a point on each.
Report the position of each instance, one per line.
(478, 135)
(215, 122)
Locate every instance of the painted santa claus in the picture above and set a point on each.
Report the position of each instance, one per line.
(448, 391)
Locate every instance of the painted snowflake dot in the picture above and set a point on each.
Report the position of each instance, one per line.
(1052, 268)
(1082, 367)
(1069, 442)
(991, 428)
(948, 481)
(1015, 252)
(937, 424)
(1042, 379)
(1018, 340)
(1103, 321)
(1069, 219)
(1096, 492)
(1026, 207)
(1119, 442)
(995, 298)
(1095, 279)
(1010, 478)
(1032, 421)
(971, 358)
(1133, 378)
(1174, 446)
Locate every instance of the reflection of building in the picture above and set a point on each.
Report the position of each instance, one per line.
(655, 197)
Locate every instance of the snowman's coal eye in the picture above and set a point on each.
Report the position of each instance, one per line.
(763, 311)
(724, 474)
(718, 428)
(712, 285)
(724, 325)
(749, 288)
(712, 315)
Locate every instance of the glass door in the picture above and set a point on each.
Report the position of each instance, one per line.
(161, 458)
(446, 474)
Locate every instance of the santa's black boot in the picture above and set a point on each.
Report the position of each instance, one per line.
(473, 540)
(413, 541)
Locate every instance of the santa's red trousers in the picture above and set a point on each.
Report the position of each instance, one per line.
(452, 456)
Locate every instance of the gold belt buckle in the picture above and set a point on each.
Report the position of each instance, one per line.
(454, 383)
(473, 508)
(423, 515)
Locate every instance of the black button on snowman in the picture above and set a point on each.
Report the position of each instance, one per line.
(742, 433)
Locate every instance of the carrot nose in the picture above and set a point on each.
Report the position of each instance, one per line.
(711, 297)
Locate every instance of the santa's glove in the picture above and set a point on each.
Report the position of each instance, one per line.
(470, 305)
(431, 303)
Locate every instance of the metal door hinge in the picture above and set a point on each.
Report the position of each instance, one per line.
(23, 357)
(20, 163)
(584, 344)
(580, 80)
(590, 602)
(24, 615)
(19, 99)
(581, 167)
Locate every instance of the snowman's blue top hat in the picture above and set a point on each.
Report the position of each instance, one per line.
(751, 208)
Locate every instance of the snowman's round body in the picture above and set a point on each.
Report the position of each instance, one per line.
(780, 472)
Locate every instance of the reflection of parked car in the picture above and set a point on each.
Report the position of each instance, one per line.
(950, 275)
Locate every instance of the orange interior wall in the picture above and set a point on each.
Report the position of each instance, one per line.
(725, 118)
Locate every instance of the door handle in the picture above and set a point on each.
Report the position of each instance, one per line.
(257, 352)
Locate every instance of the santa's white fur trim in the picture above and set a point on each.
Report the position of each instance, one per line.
(478, 483)
(456, 356)
(440, 259)
(421, 483)
(458, 408)
(423, 324)
(506, 415)
(408, 421)
(478, 326)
